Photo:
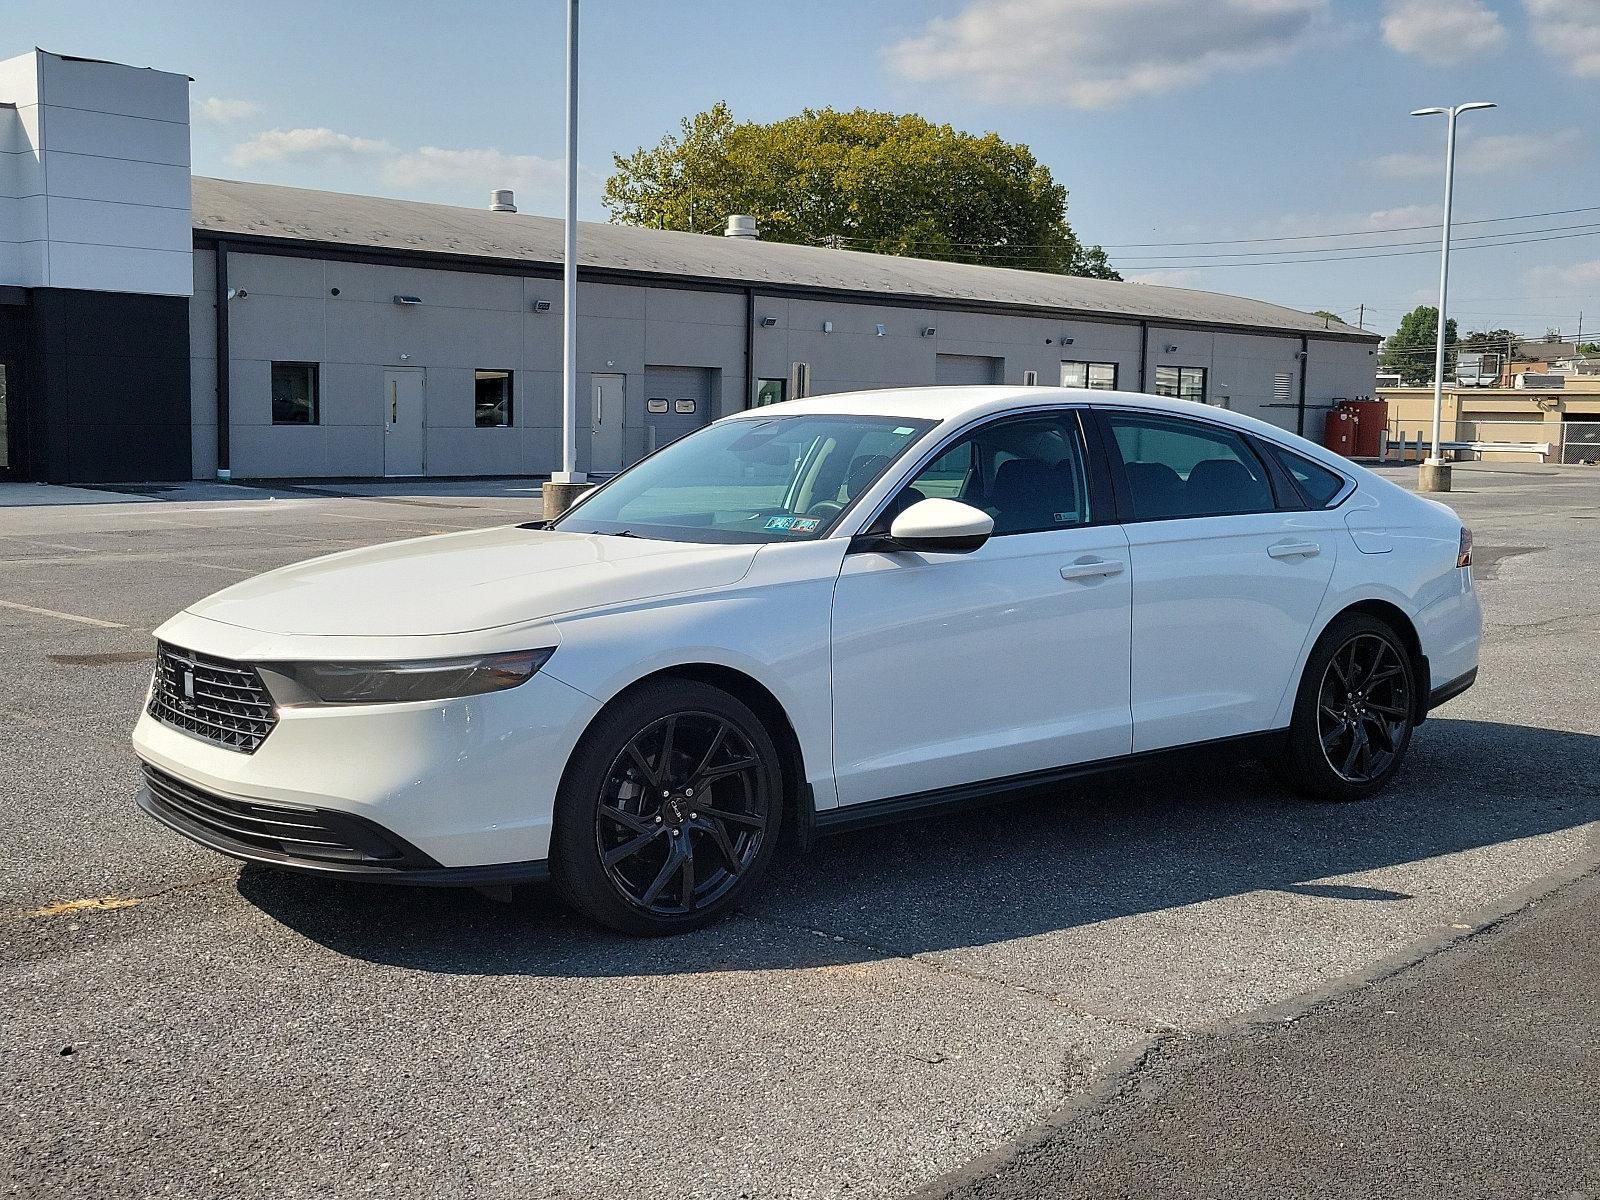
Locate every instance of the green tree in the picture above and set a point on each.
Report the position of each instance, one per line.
(883, 182)
(1409, 350)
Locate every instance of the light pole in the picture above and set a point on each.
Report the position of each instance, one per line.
(1435, 473)
(566, 484)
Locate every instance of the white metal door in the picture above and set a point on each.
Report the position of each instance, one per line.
(954, 668)
(608, 396)
(404, 402)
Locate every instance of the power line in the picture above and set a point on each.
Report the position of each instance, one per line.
(1305, 237)
(1454, 242)
(1283, 262)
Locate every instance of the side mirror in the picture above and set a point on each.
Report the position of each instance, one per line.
(935, 526)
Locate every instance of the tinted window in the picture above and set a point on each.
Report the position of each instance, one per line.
(1319, 484)
(766, 479)
(1183, 469)
(294, 393)
(1025, 472)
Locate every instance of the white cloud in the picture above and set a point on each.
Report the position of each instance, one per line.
(435, 168)
(1485, 154)
(1096, 53)
(1568, 30)
(215, 110)
(1576, 278)
(1442, 32)
(304, 145)
(1180, 277)
(1308, 224)
(452, 176)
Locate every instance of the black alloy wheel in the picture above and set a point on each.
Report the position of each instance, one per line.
(1365, 708)
(1354, 712)
(669, 811)
(681, 814)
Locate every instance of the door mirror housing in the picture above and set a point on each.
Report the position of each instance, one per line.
(935, 526)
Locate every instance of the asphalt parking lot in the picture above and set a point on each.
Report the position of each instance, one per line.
(892, 1006)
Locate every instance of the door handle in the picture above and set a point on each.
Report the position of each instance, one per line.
(1091, 568)
(1294, 550)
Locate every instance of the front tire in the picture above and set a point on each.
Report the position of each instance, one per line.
(669, 810)
(1354, 712)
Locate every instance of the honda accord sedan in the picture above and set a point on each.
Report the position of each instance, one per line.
(823, 613)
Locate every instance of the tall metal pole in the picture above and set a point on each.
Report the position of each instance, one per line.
(1444, 283)
(569, 268)
(1435, 472)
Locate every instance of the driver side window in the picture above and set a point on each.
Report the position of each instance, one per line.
(1025, 472)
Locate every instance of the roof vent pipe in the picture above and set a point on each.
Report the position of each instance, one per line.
(500, 200)
(741, 227)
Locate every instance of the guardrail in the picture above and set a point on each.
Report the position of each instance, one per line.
(1569, 442)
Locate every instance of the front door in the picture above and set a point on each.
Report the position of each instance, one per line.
(1226, 582)
(951, 669)
(404, 398)
(608, 394)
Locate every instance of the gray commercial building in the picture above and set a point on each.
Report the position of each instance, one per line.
(333, 335)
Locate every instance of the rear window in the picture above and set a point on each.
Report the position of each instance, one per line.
(1319, 484)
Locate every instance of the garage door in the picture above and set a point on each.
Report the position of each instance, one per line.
(677, 400)
(968, 368)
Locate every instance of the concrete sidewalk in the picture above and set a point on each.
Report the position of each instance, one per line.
(1475, 1073)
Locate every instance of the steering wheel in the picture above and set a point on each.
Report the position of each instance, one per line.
(824, 509)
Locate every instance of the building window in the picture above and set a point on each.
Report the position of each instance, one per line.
(491, 399)
(1186, 383)
(770, 391)
(294, 393)
(1102, 377)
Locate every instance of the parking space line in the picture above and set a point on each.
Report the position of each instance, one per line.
(50, 612)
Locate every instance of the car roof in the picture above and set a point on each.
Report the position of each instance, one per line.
(958, 405)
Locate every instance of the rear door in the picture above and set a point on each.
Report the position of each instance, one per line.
(1229, 572)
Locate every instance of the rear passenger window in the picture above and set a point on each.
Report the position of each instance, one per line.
(1319, 484)
(1177, 468)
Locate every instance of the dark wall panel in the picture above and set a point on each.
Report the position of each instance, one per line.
(109, 394)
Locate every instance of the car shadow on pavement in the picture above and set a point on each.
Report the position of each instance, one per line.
(1137, 841)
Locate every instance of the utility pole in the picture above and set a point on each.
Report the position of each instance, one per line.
(1435, 472)
(1361, 317)
(566, 484)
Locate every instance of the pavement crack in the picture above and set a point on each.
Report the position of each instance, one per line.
(932, 961)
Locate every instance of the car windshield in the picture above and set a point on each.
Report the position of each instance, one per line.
(770, 479)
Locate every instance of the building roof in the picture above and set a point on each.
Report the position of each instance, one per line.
(269, 212)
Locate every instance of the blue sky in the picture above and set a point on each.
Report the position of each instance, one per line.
(1169, 120)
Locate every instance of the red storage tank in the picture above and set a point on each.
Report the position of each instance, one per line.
(1339, 434)
(1372, 417)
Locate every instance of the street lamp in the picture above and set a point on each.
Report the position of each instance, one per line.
(1435, 473)
(566, 484)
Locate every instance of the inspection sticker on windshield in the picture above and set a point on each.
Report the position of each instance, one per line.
(903, 430)
(794, 524)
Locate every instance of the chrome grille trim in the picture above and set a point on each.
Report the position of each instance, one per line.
(226, 705)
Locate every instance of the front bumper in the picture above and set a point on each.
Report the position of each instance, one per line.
(313, 841)
(464, 783)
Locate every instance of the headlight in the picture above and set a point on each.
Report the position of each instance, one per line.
(301, 683)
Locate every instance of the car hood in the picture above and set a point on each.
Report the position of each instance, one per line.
(457, 583)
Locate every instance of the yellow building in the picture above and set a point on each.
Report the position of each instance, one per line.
(1568, 418)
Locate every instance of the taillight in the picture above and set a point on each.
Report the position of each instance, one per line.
(1464, 553)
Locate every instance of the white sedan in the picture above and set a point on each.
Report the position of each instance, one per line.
(824, 613)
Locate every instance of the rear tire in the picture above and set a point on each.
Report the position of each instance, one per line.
(669, 811)
(1354, 712)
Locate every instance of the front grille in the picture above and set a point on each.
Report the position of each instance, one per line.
(214, 699)
(273, 830)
